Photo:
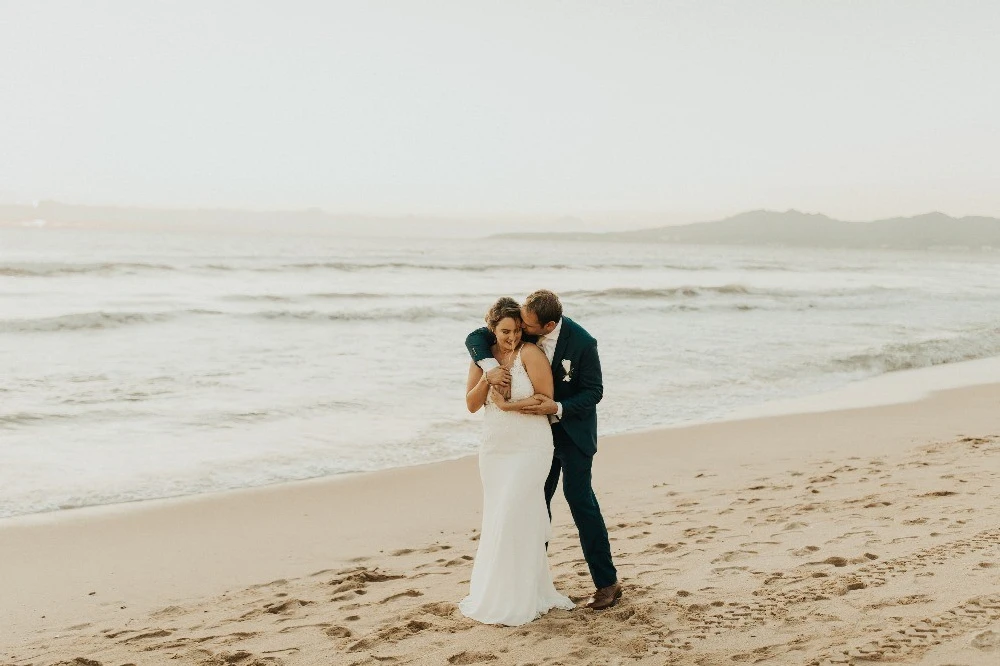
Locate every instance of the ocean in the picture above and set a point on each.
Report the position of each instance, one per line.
(144, 365)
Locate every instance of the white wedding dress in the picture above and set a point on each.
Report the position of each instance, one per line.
(511, 582)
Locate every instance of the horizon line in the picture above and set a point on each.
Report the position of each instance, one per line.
(457, 217)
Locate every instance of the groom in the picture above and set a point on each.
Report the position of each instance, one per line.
(576, 371)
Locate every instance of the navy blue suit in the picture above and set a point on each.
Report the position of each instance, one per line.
(574, 437)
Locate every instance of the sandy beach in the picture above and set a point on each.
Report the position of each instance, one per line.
(247, 251)
(849, 536)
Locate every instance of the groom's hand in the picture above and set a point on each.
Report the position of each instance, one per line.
(499, 377)
(545, 407)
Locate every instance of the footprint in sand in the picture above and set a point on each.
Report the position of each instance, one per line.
(440, 609)
(467, 657)
(159, 633)
(988, 641)
(642, 535)
(733, 555)
(640, 523)
(358, 578)
(280, 581)
(915, 521)
(464, 559)
(791, 527)
(407, 593)
(398, 633)
(355, 582)
(640, 574)
(907, 600)
(238, 657)
(420, 551)
(663, 548)
(109, 633)
(296, 627)
(286, 607)
(808, 550)
(707, 532)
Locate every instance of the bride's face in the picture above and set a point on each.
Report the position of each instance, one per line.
(508, 332)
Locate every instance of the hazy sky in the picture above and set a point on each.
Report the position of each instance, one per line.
(856, 109)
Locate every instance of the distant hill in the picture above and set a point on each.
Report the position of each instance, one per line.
(795, 229)
(762, 227)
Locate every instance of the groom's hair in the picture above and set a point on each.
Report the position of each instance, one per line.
(545, 305)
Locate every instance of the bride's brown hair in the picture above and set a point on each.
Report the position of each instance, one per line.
(503, 308)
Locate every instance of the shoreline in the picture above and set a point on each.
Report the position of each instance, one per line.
(896, 387)
(179, 552)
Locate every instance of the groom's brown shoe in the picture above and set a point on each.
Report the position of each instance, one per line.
(606, 597)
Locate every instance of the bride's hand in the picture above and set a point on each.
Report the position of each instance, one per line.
(498, 398)
(504, 391)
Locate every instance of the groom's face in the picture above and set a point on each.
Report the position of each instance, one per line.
(530, 325)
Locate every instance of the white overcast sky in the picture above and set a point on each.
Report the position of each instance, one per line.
(856, 109)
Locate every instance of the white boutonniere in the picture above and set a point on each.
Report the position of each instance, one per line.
(566, 370)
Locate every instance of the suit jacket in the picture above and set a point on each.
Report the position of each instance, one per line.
(579, 390)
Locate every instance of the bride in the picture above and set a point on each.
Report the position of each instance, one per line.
(511, 582)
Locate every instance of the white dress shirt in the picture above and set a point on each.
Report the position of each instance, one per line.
(547, 343)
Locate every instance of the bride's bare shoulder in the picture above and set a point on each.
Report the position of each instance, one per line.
(531, 350)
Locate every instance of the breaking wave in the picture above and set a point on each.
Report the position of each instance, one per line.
(54, 270)
(90, 321)
(909, 355)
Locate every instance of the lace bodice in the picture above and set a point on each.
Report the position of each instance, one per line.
(513, 431)
(520, 384)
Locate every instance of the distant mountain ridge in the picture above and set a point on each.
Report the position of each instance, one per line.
(797, 229)
(760, 227)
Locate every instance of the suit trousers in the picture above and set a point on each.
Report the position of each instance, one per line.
(575, 466)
